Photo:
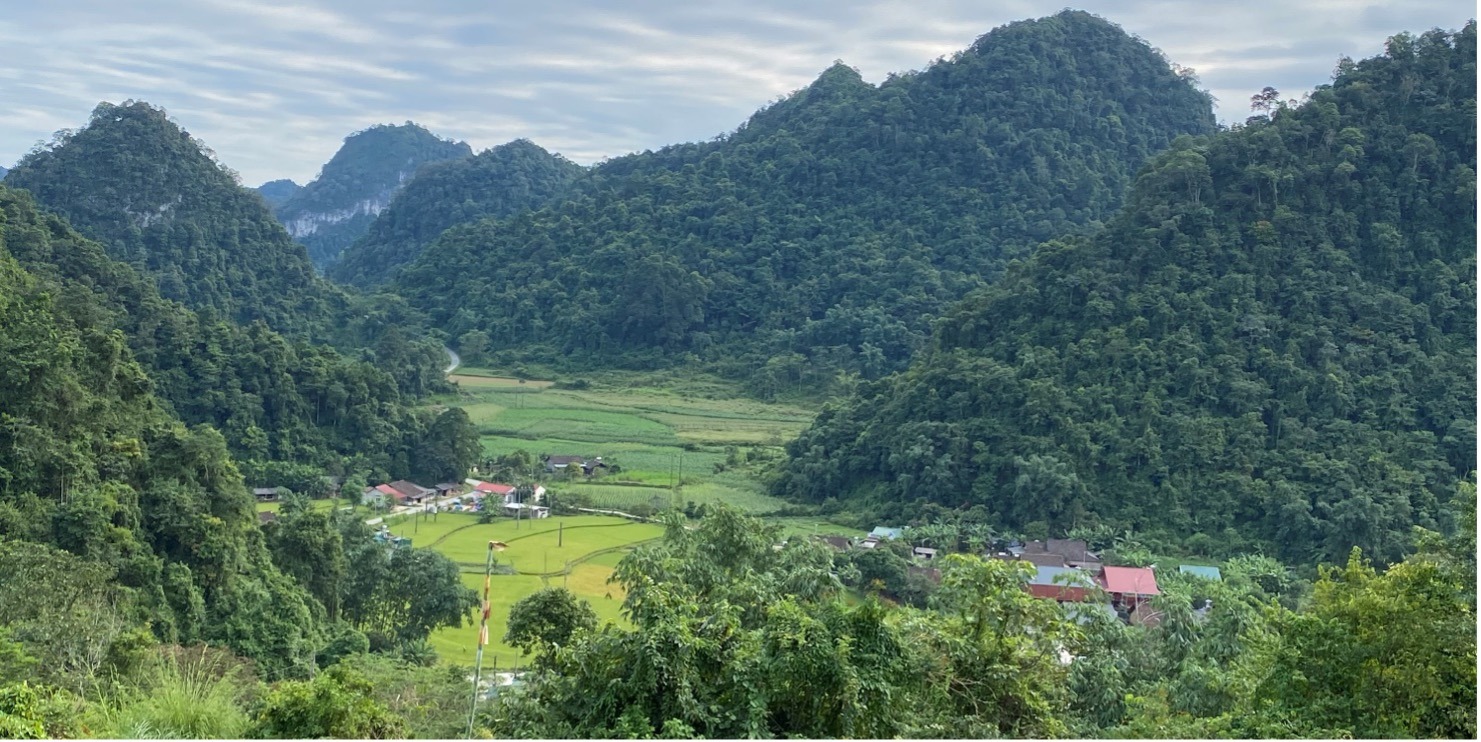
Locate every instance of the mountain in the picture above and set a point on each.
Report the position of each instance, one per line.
(1271, 347)
(335, 209)
(112, 510)
(157, 199)
(277, 192)
(274, 399)
(497, 182)
(825, 234)
(3, 171)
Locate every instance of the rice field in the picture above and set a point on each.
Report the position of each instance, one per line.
(660, 437)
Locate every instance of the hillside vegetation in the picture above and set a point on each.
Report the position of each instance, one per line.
(156, 199)
(824, 234)
(1271, 346)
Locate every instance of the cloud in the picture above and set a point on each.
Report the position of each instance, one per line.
(273, 86)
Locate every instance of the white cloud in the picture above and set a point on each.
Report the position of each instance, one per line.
(273, 86)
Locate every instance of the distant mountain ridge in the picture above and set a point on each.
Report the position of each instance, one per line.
(336, 208)
(277, 192)
(497, 182)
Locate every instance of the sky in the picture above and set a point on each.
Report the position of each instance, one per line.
(274, 86)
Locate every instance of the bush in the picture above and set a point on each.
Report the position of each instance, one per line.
(185, 693)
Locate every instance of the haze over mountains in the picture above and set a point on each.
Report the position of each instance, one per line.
(1042, 294)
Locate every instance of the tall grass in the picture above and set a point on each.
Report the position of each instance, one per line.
(185, 693)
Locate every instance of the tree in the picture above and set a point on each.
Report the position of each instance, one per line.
(473, 344)
(546, 618)
(338, 703)
(449, 449)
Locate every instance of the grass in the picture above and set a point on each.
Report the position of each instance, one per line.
(325, 504)
(587, 580)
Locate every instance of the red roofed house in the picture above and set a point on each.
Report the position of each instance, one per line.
(504, 492)
(381, 494)
(1128, 586)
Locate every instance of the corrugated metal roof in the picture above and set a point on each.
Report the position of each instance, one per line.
(1069, 577)
(1207, 573)
(1132, 580)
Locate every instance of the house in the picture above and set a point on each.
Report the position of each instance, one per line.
(1061, 583)
(521, 510)
(561, 463)
(841, 543)
(412, 493)
(922, 552)
(1128, 586)
(267, 494)
(504, 492)
(1207, 573)
(885, 532)
(448, 489)
(869, 543)
(381, 495)
(1073, 551)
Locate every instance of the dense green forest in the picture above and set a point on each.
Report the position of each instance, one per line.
(157, 199)
(337, 207)
(825, 233)
(495, 183)
(1271, 347)
(273, 398)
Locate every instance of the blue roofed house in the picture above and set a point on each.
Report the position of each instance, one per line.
(880, 532)
(1207, 573)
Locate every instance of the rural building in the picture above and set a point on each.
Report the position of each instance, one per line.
(1207, 573)
(1061, 583)
(521, 510)
(381, 495)
(504, 492)
(885, 532)
(1073, 551)
(448, 489)
(411, 492)
(267, 494)
(588, 466)
(923, 552)
(840, 543)
(1128, 587)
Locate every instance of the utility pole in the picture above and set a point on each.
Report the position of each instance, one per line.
(483, 630)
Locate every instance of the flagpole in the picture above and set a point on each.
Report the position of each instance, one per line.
(483, 631)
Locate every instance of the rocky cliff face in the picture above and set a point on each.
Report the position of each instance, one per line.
(358, 183)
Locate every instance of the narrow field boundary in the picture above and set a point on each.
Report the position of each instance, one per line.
(476, 568)
(459, 529)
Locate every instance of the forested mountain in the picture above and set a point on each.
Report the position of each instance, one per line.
(273, 398)
(337, 207)
(497, 182)
(276, 192)
(825, 233)
(1271, 346)
(156, 198)
(157, 522)
(3, 171)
